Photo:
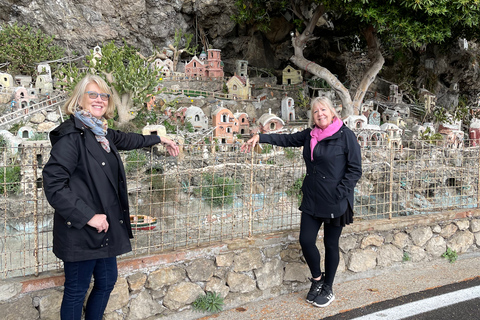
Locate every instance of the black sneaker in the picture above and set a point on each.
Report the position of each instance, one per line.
(315, 289)
(325, 297)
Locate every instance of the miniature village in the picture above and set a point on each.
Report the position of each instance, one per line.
(222, 112)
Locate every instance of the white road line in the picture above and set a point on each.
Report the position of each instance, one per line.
(425, 305)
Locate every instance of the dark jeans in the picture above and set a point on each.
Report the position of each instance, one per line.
(77, 281)
(309, 227)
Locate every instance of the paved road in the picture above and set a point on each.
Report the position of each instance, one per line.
(369, 292)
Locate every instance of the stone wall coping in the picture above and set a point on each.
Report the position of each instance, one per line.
(128, 266)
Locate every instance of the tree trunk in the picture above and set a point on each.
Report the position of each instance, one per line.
(377, 61)
(321, 72)
(124, 105)
(349, 107)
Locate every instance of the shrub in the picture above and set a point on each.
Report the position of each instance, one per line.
(218, 190)
(10, 179)
(135, 160)
(296, 189)
(210, 302)
(22, 47)
(164, 189)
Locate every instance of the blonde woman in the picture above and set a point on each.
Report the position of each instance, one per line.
(333, 162)
(84, 181)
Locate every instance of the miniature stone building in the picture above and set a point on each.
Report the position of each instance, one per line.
(33, 156)
(225, 125)
(44, 68)
(395, 96)
(239, 87)
(23, 97)
(196, 117)
(242, 68)
(243, 122)
(288, 109)
(269, 122)
(291, 76)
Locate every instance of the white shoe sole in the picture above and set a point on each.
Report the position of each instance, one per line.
(325, 304)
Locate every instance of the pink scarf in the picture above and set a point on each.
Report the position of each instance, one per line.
(319, 134)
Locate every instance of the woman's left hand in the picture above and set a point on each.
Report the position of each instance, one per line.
(171, 146)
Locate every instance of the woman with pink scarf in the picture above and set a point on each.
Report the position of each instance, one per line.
(333, 162)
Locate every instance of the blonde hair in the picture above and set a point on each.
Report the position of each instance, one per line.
(72, 103)
(325, 101)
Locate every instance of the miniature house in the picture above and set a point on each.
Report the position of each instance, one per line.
(44, 84)
(355, 122)
(215, 64)
(474, 132)
(269, 122)
(242, 68)
(239, 87)
(288, 109)
(395, 96)
(243, 122)
(25, 132)
(154, 130)
(97, 55)
(393, 134)
(389, 114)
(23, 80)
(374, 118)
(196, 117)
(6, 80)
(291, 76)
(44, 68)
(195, 68)
(225, 125)
(23, 97)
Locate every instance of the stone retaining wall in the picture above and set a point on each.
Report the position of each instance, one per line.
(246, 270)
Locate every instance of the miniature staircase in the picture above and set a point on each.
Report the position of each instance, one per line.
(56, 101)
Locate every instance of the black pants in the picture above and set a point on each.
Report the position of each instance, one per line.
(309, 227)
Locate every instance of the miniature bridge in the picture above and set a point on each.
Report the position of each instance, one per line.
(56, 101)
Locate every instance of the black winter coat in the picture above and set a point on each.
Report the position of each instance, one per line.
(332, 175)
(79, 183)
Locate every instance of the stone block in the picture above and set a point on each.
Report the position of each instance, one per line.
(296, 271)
(420, 236)
(461, 241)
(119, 296)
(436, 246)
(217, 285)
(143, 306)
(239, 282)
(362, 260)
(136, 281)
(182, 294)
(247, 260)
(200, 270)
(347, 243)
(270, 275)
(388, 254)
(164, 277)
(372, 240)
(19, 309)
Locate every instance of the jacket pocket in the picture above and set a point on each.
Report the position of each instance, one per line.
(89, 238)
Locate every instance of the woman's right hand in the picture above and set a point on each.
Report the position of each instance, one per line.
(99, 222)
(250, 144)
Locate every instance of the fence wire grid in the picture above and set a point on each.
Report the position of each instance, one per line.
(212, 193)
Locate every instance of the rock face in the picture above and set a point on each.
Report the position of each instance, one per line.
(81, 25)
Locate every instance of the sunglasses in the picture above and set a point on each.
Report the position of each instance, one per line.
(93, 95)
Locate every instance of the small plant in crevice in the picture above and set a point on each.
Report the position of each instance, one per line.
(450, 255)
(210, 302)
(296, 189)
(406, 257)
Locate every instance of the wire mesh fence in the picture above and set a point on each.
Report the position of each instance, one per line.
(212, 193)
